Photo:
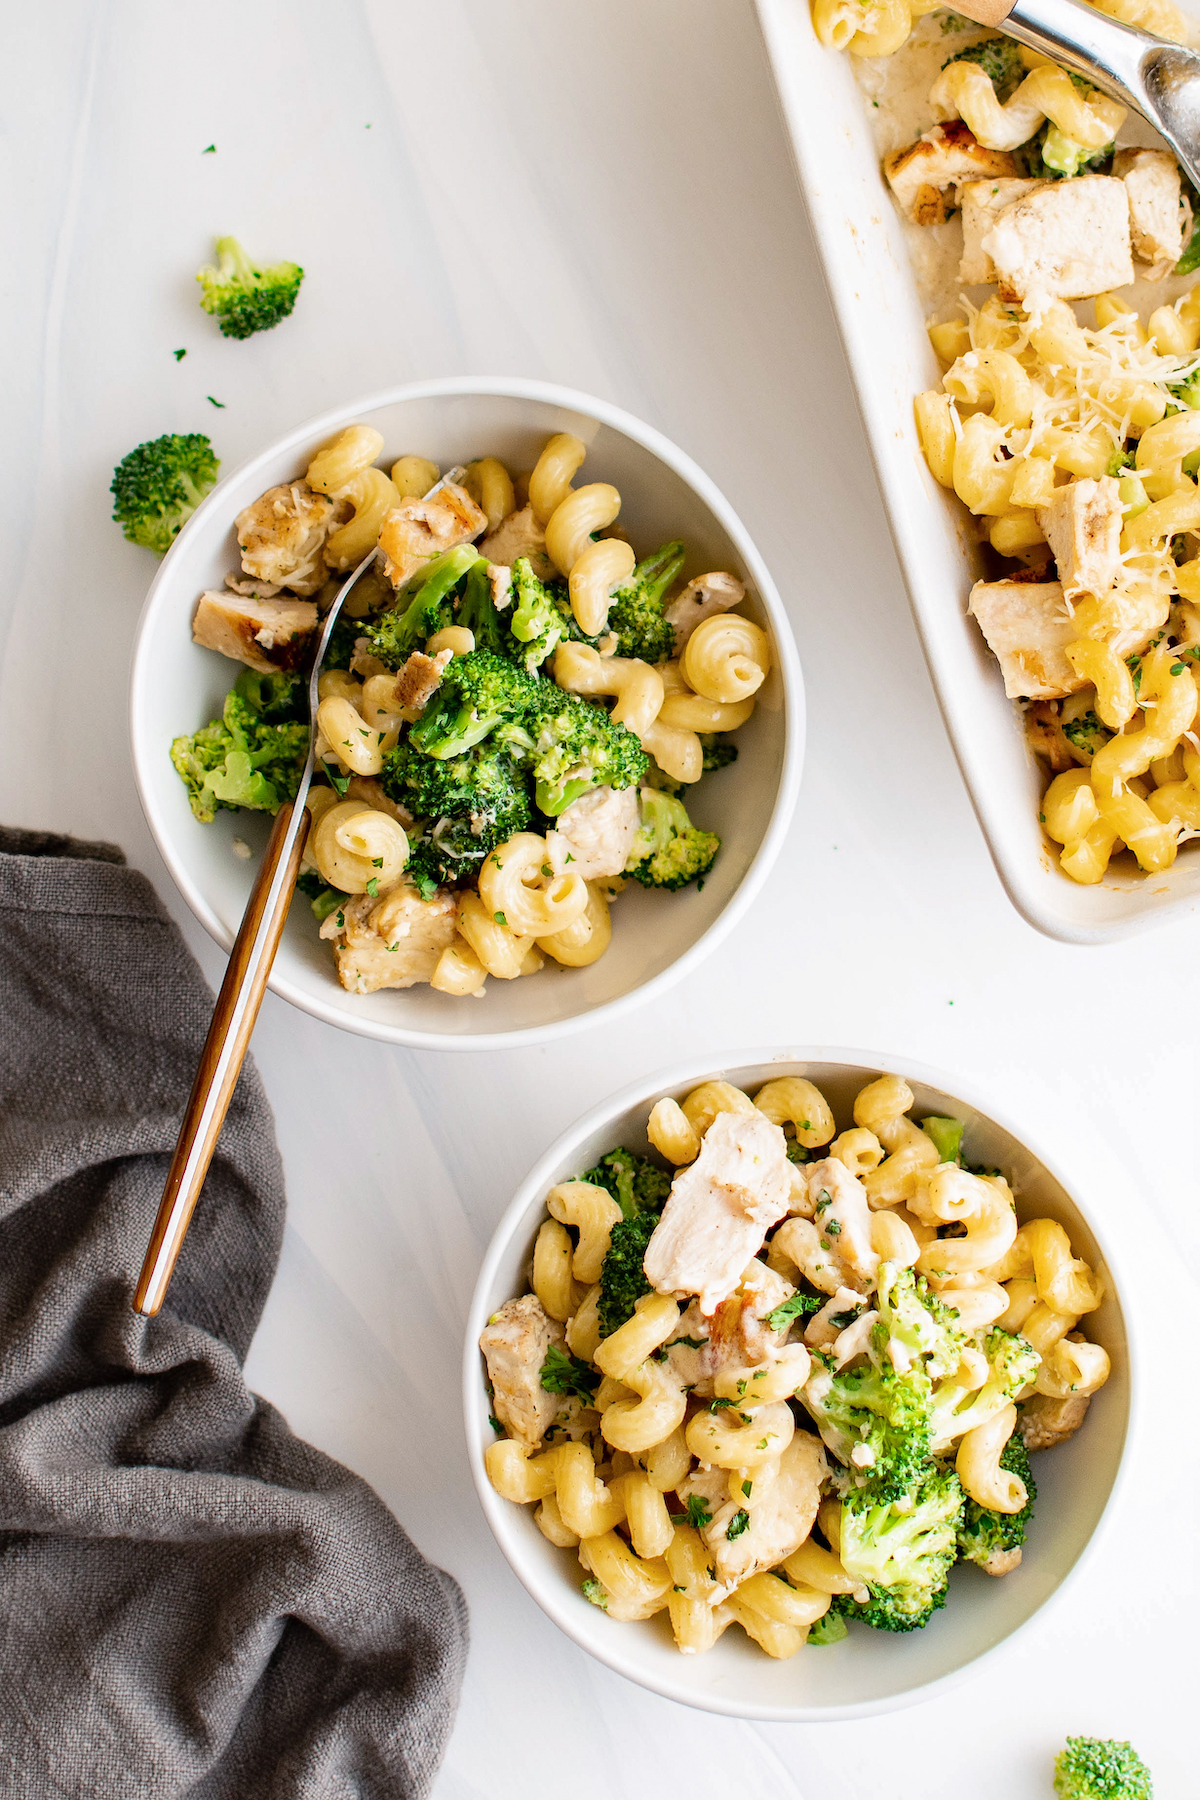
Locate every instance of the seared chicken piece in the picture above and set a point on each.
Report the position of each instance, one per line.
(720, 1209)
(282, 536)
(514, 1343)
(394, 942)
(737, 1333)
(1082, 524)
(519, 535)
(843, 1218)
(780, 1522)
(595, 833)
(1066, 241)
(1046, 738)
(263, 634)
(417, 530)
(700, 599)
(982, 202)
(1027, 626)
(1158, 220)
(420, 678)
(1043, 1422)
(921, 175)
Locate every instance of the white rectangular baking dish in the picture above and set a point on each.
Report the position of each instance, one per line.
(861, 242)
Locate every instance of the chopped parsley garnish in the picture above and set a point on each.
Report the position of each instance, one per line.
(697, 1514)
(740, 1522)
(495, 1424)
(796, 1306)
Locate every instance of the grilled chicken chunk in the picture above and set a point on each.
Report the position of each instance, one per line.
(514, 1343)
(519, 535)
(264, 634)
(1067, 240)
(281, 536)
(596, 832)
(923, 175)
(1158, 219)
(779, 1523)
(700, 599)
(393, 942)
(1082, 524)
(417, 530)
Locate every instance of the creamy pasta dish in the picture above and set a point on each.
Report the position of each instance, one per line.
(1071, 433)
(784, 1375)
(508, 715)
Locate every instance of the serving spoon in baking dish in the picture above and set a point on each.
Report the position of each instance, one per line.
(1157, 79)
(241, 994)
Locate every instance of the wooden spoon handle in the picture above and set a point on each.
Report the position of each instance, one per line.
(223, 1054)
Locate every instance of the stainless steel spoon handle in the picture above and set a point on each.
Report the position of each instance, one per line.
(1159, 80)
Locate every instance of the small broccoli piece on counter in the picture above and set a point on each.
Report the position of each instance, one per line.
(641, 1189)
(158, 486)
(635, 1183)
(472, 803)
(242, 298)
(538, 619)
(946, 1135)
(427, 608)
(1101, 1769)
(636, 613)
(1000, 60)
(253, 755)
(719, 752)
(990, 1538)
(668, 850)
(901, 1550)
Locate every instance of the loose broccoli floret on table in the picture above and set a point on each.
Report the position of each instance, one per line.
(253, 755)
(640, 1188)
(636, 612)
(902, 1551)
(427, 606)
(985, 1536)
(245, 299)
(158, 486)
(1101, 1769)
(668, 850)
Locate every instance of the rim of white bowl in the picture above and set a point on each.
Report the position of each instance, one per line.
(554, 1598)
(794, 718)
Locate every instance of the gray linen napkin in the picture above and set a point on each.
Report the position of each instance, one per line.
(192, 1601)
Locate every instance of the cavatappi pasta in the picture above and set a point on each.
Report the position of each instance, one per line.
(503, 732)
(1073, 439)
(793, 1376)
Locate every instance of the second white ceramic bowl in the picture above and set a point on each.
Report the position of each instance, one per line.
(177, 687)
(868, 1671)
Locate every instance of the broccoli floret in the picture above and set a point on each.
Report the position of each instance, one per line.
(472, 803)
(983, 1534)
(1050, 156)
(946, 1135)
(477, 611)
(478, 692)
(916, 1321)
(1000, 60)
(1191, 256)
(244, 299)
(322, 898)
(640, 1188)
(343, 639)
(1101, 1769)
(635, 1183)
(578, 746)
(901, 1550)
(636, 612)
(829, 1630)
(409, 625)
(253, 755)
(668, 851)
(537, 621)
(957, 1409)
(718, 751)
(158, 486)
(875, 1420)
(622, 1277)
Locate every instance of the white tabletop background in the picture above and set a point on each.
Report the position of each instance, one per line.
(597, 192)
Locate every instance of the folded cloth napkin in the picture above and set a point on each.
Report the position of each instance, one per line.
(192, 1601)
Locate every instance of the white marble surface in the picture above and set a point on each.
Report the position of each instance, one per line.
(601, 195)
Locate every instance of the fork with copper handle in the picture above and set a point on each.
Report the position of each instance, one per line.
(240, 997)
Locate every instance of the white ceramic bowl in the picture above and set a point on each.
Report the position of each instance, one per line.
(869, 1671)
(882, 323)
(178, 687)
